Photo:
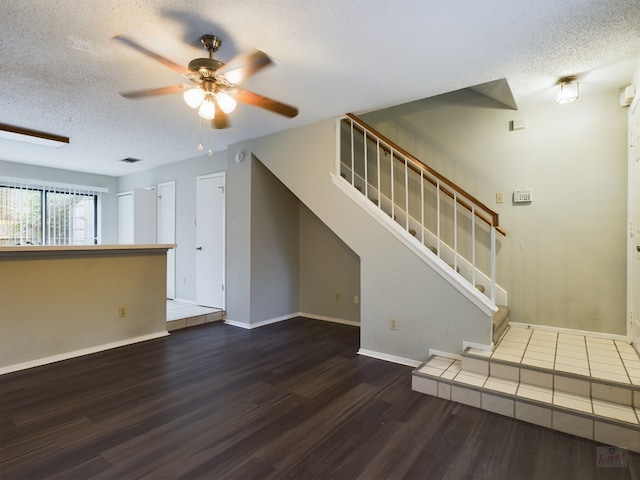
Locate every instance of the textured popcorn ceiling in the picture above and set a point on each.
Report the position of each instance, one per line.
(61, 73)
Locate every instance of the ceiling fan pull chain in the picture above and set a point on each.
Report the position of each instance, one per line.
(200, 146)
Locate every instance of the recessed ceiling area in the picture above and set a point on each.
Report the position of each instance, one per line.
(62, 72)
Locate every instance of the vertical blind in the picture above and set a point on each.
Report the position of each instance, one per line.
(35, 213)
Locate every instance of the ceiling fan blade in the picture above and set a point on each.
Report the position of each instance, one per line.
(149, 92)
(260, 101)
(220, 120)
(157, 57)
(242, 66)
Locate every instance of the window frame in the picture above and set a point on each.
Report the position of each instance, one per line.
(46, 188)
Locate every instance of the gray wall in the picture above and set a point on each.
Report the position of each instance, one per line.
(563, 261)
(238, 242)
(184, 174)
(274, 247)
(280, 260)
(329, 271)
(58, 305)
(393, 281)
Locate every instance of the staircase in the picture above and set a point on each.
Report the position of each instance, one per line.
(446, 221)
(582, 385)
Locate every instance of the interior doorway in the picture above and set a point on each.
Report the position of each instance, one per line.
(210, 240)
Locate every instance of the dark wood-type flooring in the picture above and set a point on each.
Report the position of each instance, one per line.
(291, 400)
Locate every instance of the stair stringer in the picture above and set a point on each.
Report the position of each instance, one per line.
(436, 263)
(432, 313)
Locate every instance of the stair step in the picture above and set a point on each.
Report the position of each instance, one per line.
(176, 321)
(500, 322)
(590, 406)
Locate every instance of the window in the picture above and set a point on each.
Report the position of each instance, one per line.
(47, 215)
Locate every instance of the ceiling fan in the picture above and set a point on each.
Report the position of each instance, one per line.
(214, 87)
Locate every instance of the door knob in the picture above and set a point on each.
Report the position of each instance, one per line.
(638, 248)
(199, 248)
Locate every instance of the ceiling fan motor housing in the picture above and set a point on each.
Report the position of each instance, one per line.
(206, 67)
(211, 42)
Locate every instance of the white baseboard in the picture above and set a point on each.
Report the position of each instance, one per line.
(478, 346)
(342, 321)
(79, 353)
(570, 331)
(182, 300)
(453, 356)
(389, 358)
(234, 323)
(250, 326)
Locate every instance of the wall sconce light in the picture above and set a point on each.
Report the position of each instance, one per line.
(568, 89)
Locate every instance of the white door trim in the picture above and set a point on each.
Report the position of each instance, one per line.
(633, 224)
(162, 210)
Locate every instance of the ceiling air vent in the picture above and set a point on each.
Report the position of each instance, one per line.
(130, 160)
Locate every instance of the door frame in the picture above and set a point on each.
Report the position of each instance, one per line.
(633, 224)
(171, 254)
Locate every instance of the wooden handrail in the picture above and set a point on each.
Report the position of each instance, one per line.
(418, 167)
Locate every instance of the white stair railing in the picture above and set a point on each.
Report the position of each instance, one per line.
(450, 222)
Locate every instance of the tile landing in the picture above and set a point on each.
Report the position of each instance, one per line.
(581, 385)
(183, 315)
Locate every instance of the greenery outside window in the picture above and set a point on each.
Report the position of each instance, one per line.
(41, 215)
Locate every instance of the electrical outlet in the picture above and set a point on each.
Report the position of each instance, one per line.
(500, 197)
(337, 297)
(393, 323)
(122, 312)
(356, 299)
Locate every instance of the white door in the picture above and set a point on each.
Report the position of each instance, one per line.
(167, 230)
(144, 215)
(634, 221)
(210, 248)
(125, 218)
(137, 216)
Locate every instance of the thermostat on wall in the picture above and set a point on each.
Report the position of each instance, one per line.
(522, 196)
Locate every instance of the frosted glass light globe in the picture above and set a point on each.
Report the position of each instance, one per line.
(194, 97)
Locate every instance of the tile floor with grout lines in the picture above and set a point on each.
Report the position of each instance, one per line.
(602, 358)
(583, 385)
(177, 310)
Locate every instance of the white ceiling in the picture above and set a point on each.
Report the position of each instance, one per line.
(61, 72)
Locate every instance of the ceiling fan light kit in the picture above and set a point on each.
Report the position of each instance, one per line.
(214, 89)
(207, 109)
(193, 97)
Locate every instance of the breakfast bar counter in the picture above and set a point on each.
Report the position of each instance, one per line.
(59, 302)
